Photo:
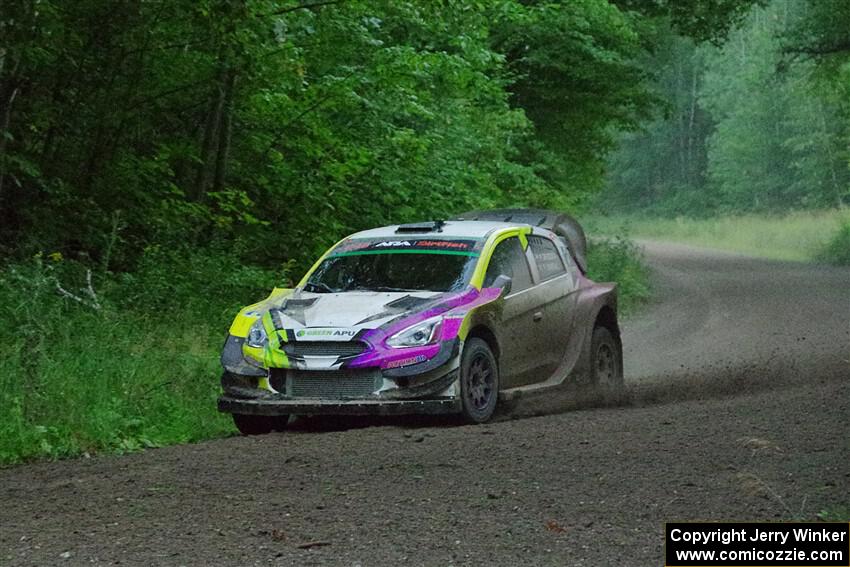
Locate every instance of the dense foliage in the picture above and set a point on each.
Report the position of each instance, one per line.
(127, 125)
(135, 365)
(761, 123)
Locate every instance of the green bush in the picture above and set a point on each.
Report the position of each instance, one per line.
(135, 364)
(620, 260)
(837, 250)
(200, 282)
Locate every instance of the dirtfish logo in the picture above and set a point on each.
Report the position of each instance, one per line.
(406, 361)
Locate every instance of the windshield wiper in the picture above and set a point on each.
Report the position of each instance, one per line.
(374, 288)
(387, 288)
(319, 287)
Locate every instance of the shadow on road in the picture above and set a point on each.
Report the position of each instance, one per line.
(330, 423)
(721, 381)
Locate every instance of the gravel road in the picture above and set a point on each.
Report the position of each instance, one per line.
(738, 408)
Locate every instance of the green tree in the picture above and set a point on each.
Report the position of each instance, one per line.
(759, 123)
(274, 126)
(663, 164)
(777, 142)
(577, 80)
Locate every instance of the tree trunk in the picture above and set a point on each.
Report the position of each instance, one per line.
(682, 129)
(5, 119)
(9, 89)
(691, 178)
(830, 155)
(224, 131)
(210, 142)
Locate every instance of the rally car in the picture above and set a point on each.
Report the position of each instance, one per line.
(434, 317)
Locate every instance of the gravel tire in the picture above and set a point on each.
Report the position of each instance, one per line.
(479, 381)
(259, 424)
(606, 360)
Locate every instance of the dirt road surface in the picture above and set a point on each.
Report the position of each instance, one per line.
(738, 408)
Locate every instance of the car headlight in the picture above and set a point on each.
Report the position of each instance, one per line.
(257, 336)
(424, 333)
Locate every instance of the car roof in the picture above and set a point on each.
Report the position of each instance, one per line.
(450, 229)
(560, 223)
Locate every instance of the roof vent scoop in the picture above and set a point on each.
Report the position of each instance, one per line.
(419, 227)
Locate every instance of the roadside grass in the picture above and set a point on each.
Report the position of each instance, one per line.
(111, 383)
(620, 260)
(798, 236)
(139, 369)
(837, 250)
(836, 513)
(134, 361)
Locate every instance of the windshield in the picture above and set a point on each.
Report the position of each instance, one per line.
(391, 272)
(405, 267)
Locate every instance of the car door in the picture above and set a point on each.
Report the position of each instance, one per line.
(555, 289)
(515, 326)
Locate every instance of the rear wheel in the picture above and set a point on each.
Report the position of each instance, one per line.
(259, 424)
(606, 360)
(479, 381)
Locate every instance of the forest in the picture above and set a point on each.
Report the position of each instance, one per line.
(759, 123)
(162, 163)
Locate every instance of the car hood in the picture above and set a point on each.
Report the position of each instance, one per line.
(354, 310)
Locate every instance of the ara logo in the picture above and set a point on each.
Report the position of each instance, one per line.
(393, 243)
(327, 334)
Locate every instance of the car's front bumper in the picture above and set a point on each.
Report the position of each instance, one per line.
(294, 392)
(427, 387)
(280, 405)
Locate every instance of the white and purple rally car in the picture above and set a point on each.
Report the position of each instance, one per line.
(435, 317)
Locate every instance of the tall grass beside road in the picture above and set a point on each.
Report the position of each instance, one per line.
(620, 260)
(126, 363)
(799, 236)
(837, 250)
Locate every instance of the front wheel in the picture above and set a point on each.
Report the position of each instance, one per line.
(259, 424)
(479, 381)
(606, 360)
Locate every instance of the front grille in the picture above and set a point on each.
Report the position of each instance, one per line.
(325, 348)
(333, 384)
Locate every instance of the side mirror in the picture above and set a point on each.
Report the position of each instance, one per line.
(503, 282)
